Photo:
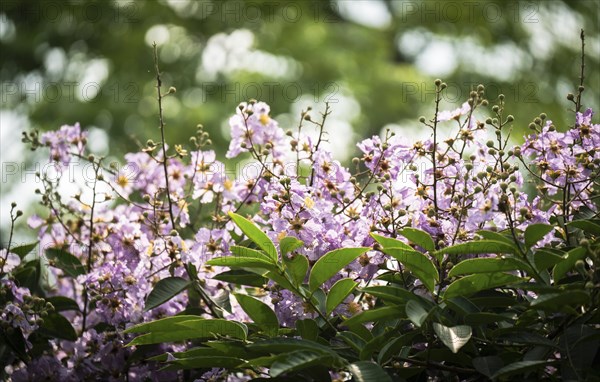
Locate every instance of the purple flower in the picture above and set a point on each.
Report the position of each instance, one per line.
(64, 142)
(252, 126)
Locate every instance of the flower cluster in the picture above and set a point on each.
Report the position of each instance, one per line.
(163, 216)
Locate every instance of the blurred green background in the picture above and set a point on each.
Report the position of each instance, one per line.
(375, 61)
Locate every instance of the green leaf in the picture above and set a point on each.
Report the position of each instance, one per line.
(478, 247)
(204, 362)
(375, 315)
(416, 313)
(57, 326)
(489, 365)
(255, 234)
(338, 292)
(241, 262)
(242, 277)
(29, 275)
(394, 346)
(23, 250)
(374, 345)
(15, 344)
(421, 266)
(64, 260)
(231, 348)
(483, 318)
(265, 361)
(283, 345)
(584, 225)
(175, 329)
(462, 305)
(535, 233)
(484, 265)
(388, 242)
(545, 258)
(561, 269)
(163, 324)
(282, 281)
(331, 263)
(390, 293)
(191, 353)
(355, 341)
(296, 267)
(554, 301)
(472, 284)
(420, 238)
(165, 290)
(367, 371)
(526, 337)
(454, 337)
(580, 342)
(297, 360)
(249, 253)
(519, 368)
(260, 313)
(62, 303)
(495, 236)
(289, 244)
(308, 329)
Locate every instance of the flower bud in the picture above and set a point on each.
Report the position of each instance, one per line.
(589, 285)
(517, 152)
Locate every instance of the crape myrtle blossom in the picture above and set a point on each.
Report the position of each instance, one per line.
(450, 188)
(454, 114)
(8, 261)
(65, 142)
(252, 125)
(565, 161)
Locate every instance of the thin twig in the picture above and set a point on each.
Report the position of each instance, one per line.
(162, 135)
